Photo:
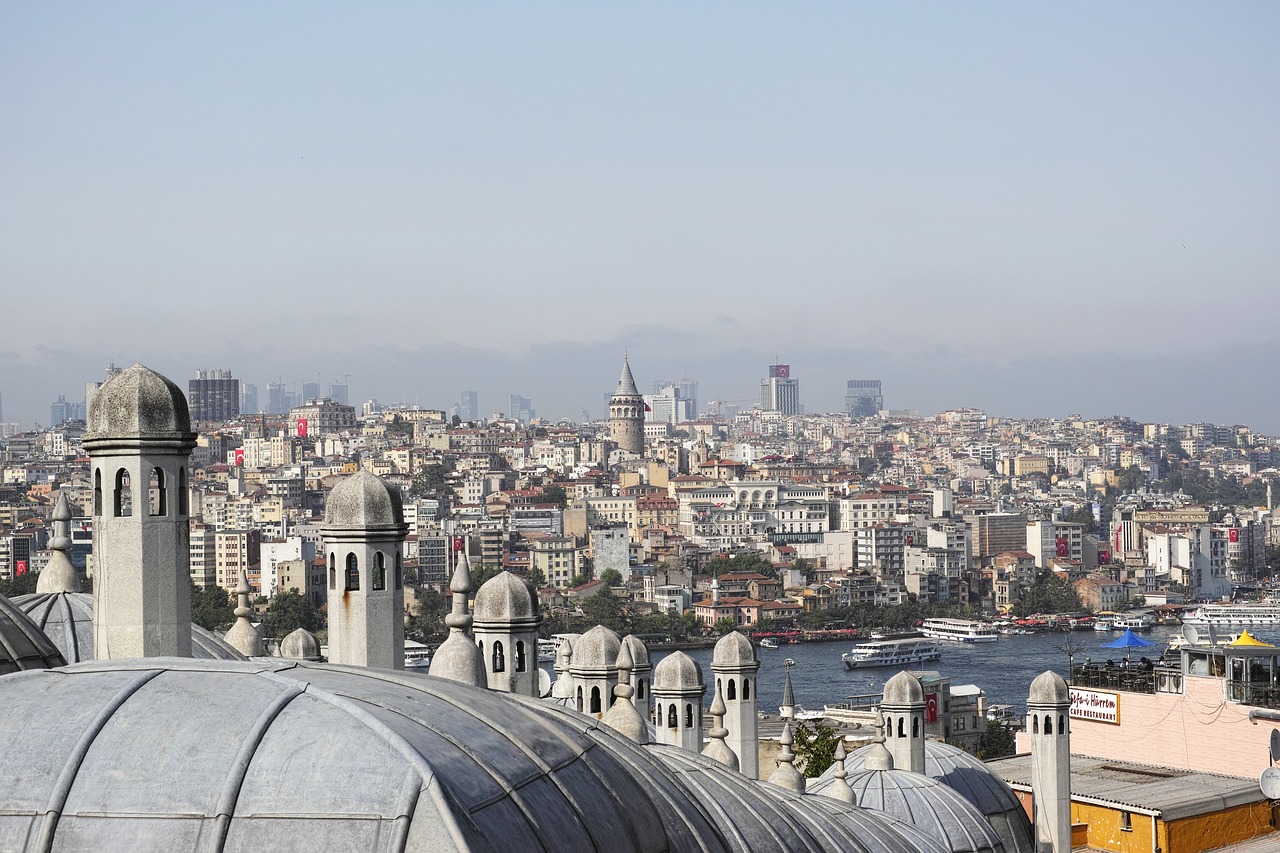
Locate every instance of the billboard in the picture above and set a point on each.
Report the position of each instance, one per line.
(1097, 705)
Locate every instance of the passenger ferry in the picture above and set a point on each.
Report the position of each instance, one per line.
(547, 651)
(416, 655)
(892, 653)
(1132, 623)
(959, 630)
(1235, 615)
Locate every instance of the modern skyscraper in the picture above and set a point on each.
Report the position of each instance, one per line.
(310, 391)
(249, 398)
(521, 408)
(863, 398)
(277, 398)
(626, 412)
(338, 392)
(214, 395)
(779, 392)
(683, 393)
(469, 406)
(60, 411)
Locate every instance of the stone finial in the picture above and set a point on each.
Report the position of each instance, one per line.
(300, 644)
(59, 575)
(563, 688)
(878, 755)
(622, 714)
(242, 636)
(788, 695)
(786, 775)
(716, 748)
(839, 789)
(458, 658)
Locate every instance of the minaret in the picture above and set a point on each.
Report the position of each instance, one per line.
(903, 706)
(59, 575)
(505, 625)
(788, 707)
(626, 413)
(735, 667)
(562, 690)
(363, 532)
(458, 658)
(716, 749)
(1048, 707)
(786, 774)
(139, 439)
(677, 697)
(242, 636)
(594, 668)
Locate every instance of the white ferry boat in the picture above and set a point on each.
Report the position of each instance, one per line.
(1235, 615)
(416, 655)
(547, 651)
(959, 631)
(1132, 623)
(891, 653)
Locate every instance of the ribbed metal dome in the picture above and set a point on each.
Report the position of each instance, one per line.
(971, 778)
(930, 806)
(66, 618)
(22, 644)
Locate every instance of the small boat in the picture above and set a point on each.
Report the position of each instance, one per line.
(547, 651)
(769, 643)
(892, 653)
(1102, 624)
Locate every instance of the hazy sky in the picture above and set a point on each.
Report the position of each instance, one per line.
(1034, 208)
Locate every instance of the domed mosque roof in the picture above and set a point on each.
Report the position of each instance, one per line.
(733, 649)
(971, 778)
(314, 756)
(66, 618)
(22, 644)
(903, 689)
(139, 403)
(597, 649)
(503, 598)
(675, 673)
(930, 806)
(1049, 688)
(363, 501)
(759, 816)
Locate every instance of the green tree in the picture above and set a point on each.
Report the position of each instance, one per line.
(289, 611)
(995, 742)
(428, 480)
(554, 494)
(724, 626)
(611, 577)
(604, 608)
(815, 748)
(427, 621)
(747, 561)
(211, 608)
(536, 578)
(1049, 594)
(23, 584)
(806, 567)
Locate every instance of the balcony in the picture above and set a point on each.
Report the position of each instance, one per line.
(1129, 677)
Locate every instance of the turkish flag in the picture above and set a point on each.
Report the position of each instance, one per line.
(1233, 535)
(457, 543)
(238, 455)
(20, 568)
(1060, 546)
(931, 707)
(302, 427)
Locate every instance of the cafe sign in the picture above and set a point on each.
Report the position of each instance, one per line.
(1097, 705)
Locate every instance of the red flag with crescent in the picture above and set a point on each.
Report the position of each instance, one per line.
(931, 707)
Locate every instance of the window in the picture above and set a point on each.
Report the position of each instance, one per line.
(595, 700)
(688, 716)
(353, 572)
(1126, 821)
(157, 500)
(672, 722)
(732, 693)
(520, 662)
(123, 495)
(746, 689)
(182, 492)
(379, 570)
(399, 572)
(333, 573)
(97, 492)
(579, 699)
(499, 660)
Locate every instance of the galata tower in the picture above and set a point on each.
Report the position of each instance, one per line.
(626, 413)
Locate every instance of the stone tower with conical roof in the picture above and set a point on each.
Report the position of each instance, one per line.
(1048, 713)
(363, 531)
(626, 413)
(139, 439)
(505, 624)
(903, 705)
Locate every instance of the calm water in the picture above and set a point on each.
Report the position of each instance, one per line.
(1004, 669)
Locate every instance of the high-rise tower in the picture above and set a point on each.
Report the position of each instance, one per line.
(626, 413)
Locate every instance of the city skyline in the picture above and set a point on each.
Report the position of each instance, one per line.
(1028, 210)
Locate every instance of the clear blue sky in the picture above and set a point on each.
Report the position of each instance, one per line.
(961, 198)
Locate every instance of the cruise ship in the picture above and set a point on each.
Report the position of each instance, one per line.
(1235, 616)
(959, 630)
(892, 653)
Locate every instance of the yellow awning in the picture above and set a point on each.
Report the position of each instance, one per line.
(1246, 639)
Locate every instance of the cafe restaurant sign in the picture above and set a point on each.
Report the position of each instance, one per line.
(1097, 705)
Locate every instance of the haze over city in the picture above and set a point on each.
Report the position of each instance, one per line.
(1036, 211)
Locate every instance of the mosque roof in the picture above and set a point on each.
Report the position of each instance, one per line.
(903, 689)
(758, 816)
(971, 778)
(315, 756)
(1049, 689)
(676, 673)
(733, 649)
(139, 403)
(597, 649)
(66, 618)
(639, 652)
(503, 598)
(363, 501)
(22, 644)
(930, 806)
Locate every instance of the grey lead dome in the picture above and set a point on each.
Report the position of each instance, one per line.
(503, 598)
(363, 501)
(139, 403)
(22, 644)
(1049, 689)
(903, 689)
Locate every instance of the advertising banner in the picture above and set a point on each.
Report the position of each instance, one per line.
(1097, 705)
